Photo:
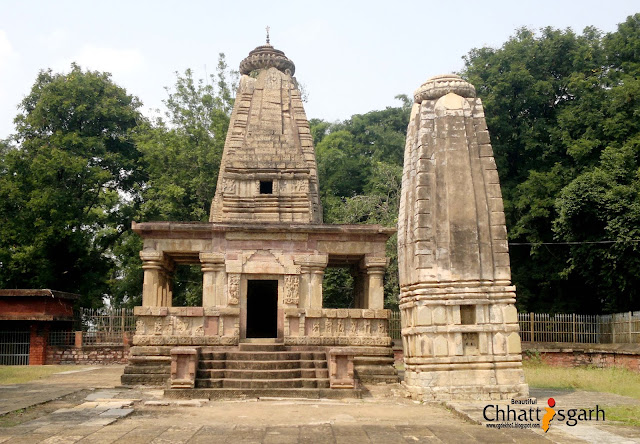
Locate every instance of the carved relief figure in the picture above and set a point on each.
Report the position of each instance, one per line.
(328, 327)
(291, 289)
(234, 288)
(140, 327)
(181, 327)
(229, 186)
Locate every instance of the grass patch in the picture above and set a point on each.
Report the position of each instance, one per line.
(19, 374)
(619, 381)
(626, 414)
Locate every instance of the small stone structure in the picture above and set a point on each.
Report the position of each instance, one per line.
(459, 321)
(264, 251)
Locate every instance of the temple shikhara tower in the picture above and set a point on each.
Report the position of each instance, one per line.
(459, 321)
(262, 324)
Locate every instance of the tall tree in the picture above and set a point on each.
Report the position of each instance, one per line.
(563, 114)
(360, 169)
(182, 155)
(62, 188)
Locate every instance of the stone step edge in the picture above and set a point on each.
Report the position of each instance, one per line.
(234, 393)
(270, 361)
(261, 371)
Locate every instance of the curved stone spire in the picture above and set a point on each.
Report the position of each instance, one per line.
(268, 171)
(459, 321)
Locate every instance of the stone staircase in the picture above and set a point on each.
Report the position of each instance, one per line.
(262, 366)
(147, 366)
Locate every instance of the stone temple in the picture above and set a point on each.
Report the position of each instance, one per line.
(262, 324)
(459, 321)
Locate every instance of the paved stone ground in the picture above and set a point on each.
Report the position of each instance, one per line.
(111, 414)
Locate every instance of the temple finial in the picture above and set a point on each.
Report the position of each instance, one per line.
(267, 28)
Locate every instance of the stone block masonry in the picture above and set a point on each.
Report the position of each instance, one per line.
(87, 355)
(459, 321)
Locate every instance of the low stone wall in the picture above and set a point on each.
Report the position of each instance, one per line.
(575, 354)
(88, 355)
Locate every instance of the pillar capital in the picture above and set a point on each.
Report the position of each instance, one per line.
(375, 265)
(312, 262)
(156, 260)
(212, 258)
(212, 262)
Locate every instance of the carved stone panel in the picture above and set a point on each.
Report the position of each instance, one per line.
(291, 289)
(234, 288)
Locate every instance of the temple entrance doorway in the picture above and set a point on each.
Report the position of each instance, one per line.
(262, 308)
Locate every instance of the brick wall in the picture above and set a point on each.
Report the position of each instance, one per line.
(38, 344)
(574, 355)
(88, 354)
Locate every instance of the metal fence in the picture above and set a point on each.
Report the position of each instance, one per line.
(62, 338)
(106, 320)
(395, 328)
(102, 326)
(14, 347)
(619, 328)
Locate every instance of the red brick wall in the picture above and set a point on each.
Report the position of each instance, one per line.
(25, 306)
(38, 346)
(596, 359)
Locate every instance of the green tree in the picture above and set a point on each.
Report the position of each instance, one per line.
(182, 155)
(559, 107)
(62, 188)
(360, 169)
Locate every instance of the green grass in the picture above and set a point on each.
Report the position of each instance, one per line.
(619, 381)
(627, 414)
(19, 374)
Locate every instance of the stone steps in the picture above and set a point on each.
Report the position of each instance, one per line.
(235, 393)
(262, 366)
(147, 366)
(263, 383)
(263, 374)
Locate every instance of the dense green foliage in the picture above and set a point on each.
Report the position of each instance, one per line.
(61, 202)
(360, 169)
(562, 110)
(182, 157)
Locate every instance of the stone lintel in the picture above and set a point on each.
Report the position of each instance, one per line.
(204, 229)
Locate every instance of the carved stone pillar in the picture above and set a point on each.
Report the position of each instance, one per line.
(375, 267)
(312, 271)
(213, 278)
(157, 286)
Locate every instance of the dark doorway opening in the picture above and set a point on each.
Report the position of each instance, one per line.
(262, 309)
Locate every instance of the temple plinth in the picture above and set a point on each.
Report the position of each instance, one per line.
(459, 320)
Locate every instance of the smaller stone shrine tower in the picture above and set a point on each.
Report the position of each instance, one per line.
(459, 321)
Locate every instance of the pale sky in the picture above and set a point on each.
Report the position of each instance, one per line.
(351, 56)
